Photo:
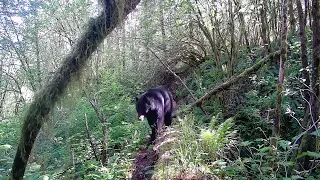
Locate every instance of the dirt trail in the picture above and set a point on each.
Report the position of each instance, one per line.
(143, 164)
(148, 157)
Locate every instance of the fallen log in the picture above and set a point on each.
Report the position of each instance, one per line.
(230, 82)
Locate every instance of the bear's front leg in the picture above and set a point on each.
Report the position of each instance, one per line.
(153, 134)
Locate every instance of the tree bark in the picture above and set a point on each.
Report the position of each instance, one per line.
(291, 16)
(303, 49)
(98, 29)
(243, 25)
(309, 141)
(283, 58)
(162, 26)
(233, 50)
(306, 77)
(264, 28)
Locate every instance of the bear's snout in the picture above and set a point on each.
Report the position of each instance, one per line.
(141, 117)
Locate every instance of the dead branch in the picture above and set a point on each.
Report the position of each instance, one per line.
(231, 81)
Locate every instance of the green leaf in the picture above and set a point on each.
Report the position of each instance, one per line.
(301, 155)
(316, 133)
(5, 147)
(265, 149)
(313, 154)
(309, 153)
(296, 177)
(246, 143)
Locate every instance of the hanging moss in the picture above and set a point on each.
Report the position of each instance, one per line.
(45, 99)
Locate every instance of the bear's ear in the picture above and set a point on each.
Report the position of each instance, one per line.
(137, 99)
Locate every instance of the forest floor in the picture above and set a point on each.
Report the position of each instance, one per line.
(148, 156)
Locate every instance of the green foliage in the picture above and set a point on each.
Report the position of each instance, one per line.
(125, 134)
(198, 149)
(207, 146)
(214, 140)
(8, 139)
(258, 160)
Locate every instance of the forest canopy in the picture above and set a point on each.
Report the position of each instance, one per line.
(244, 76)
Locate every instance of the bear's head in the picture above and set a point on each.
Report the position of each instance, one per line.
(143, 106)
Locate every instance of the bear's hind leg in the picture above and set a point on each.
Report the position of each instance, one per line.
(168, 119)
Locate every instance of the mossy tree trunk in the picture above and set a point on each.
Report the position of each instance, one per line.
(98, 29)
(283, 58)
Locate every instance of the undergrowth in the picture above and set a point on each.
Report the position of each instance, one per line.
(216, 152)
(198, 150)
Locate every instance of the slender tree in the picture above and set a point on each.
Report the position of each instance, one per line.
(314, 101)
(308, 142)
(283, 58)
(264, 28)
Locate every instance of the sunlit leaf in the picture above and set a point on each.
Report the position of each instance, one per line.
(5, 147)
(246, 143)
(316, 133)
(265, 149)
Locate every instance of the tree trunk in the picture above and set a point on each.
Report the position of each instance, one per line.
(163, 32)
(123, 50)
(104, 159)
(264, 28)
(243, 25)
(309, 141)
(93, 146)
(216, 53)
(305, 74)
(291, 16)
(233, 52)
(283, 58)
(43, 102)
(37, 49)
(304, 52)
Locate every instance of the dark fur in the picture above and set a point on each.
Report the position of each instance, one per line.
(156, 105)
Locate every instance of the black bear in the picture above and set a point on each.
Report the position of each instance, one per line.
(156, 105)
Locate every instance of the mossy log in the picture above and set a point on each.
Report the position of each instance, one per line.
(98, 29)
(231, 81)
